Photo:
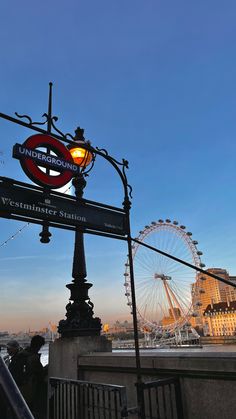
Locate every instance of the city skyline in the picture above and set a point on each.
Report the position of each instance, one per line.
(152, 83)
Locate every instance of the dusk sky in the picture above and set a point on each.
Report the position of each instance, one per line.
(151, 81)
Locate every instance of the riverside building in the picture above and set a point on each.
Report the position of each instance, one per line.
(207, 291)
(220, 319)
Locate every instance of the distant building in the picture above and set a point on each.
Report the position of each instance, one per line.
(119, 328)
(220, 319)
(207, 291)
(173, 316)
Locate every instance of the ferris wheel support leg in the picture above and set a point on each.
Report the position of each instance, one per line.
(175, 300)
(166, 287)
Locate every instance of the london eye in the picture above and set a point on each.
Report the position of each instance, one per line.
(164, 287)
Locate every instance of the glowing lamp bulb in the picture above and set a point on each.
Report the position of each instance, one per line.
(81, 156)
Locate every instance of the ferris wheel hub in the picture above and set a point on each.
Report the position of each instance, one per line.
(162, 277)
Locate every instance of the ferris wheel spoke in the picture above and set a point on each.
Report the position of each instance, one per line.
(169, 263)
(148, 256)
(141, 260)
(170, 247)
(158, 244)
(163, 248)
(180, 255)
(146, 297)
(177, 267)
(141, 286)
(173, 241)
(179, 295)
(179, 247)
(146, 263)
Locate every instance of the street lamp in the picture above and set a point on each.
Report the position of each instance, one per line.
(80, 155)
(79, 314)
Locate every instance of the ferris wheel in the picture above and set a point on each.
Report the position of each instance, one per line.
(164, 288)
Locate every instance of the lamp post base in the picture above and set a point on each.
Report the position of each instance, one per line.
(64, 354)
(77, 327)
(79, 314)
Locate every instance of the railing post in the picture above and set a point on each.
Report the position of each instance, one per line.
(178, 395)
(140, 398)
(83, 399)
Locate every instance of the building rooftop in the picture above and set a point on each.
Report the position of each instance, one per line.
(219, 307)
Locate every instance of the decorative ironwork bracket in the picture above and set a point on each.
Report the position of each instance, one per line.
(50, 121)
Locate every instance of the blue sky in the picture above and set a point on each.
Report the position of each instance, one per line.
(151, 81)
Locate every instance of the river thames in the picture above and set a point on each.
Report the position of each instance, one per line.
(181, 350)
(204, 349)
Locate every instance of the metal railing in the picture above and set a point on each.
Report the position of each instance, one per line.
(75, 399)
(12, 404)
(161, 399)
(72, 399)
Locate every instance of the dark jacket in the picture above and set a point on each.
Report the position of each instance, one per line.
(17, 367)
(35, 388)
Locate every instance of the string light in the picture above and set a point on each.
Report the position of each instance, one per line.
(14, 235)
(68, 189)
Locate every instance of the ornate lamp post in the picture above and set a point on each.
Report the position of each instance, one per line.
(79, 313)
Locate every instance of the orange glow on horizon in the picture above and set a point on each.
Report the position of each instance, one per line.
(106, 328)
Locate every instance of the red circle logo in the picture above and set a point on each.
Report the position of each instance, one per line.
(61, 156)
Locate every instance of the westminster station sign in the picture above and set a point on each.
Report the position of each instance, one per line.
(32, 204)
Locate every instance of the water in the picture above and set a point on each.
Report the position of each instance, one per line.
(204, 349)
(44, 354)
(43, 351)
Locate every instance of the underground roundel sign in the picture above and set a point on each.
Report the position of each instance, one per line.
(46, 161)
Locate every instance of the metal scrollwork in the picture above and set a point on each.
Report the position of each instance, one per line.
(24, 116)
(55, 118)
(102, 150)
(69, 136)
(31, 123)
(116, 164)
(50, 121)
